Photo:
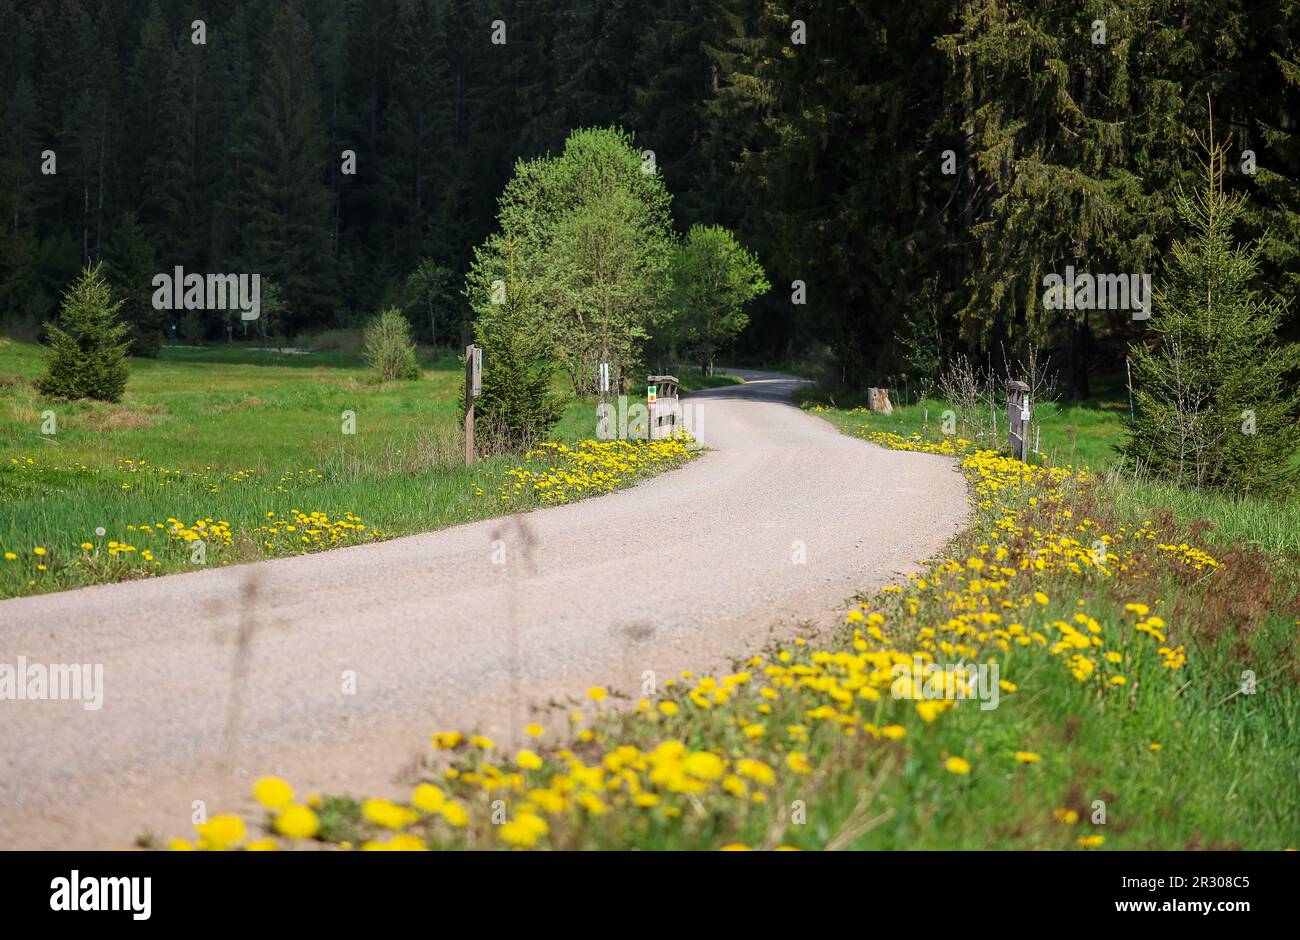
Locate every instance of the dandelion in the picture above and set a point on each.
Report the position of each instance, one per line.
(427, 798)
(224, 831)
(387, 814)
(297, 822)
(272, 792)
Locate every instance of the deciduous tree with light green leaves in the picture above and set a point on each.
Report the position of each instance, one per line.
(587, 239)
(714, 280)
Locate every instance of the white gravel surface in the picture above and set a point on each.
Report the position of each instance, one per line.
(214, 678)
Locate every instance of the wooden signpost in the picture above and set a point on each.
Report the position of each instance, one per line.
(473, 388)
(663, 406)
(1018, 419)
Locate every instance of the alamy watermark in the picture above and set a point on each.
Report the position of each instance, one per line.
(181, 291)
(77, 682)
(1098, 292)
(925, 681)
(621, 421)
(104, 893)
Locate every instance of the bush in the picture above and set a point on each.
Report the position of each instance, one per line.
(389, 350)
(517, 407)
(87, 354)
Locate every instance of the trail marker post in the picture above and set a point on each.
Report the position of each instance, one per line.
(473, 388)
(1018, 419)
(663, 407)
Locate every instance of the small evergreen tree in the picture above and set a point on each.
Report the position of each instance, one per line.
(87, 353)
(1216, 398)
(389, 350)
(516, 407)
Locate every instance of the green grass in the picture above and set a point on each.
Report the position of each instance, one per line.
(230, 434)
(1086, 434)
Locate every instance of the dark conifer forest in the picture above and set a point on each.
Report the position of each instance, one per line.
(906, 172)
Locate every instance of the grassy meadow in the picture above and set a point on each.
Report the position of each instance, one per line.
(244, 452)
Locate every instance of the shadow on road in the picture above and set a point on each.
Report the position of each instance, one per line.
(775, 387)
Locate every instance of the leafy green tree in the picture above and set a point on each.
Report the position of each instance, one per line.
(586, 239)
(1216, 395)
(87, 351)
(714, 280)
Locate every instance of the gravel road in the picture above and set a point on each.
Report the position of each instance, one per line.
(332, 669)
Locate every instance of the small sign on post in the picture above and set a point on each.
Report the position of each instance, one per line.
(473, 388)
(1018, 418)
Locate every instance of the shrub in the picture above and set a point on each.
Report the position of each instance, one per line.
(389, 350)
(517, 407)
(87, 352)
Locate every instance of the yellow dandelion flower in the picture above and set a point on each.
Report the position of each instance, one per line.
(273, 793)
(297, 822)
(957, 765)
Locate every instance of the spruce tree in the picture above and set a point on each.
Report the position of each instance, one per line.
(1216, 396)
(87, 353)
(130, 264)
(517, 407)
(286, 208)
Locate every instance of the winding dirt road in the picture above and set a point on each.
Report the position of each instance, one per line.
(332, 669)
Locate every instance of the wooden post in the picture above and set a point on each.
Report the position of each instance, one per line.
(473, 385)
(1018, 419)
(1128, 370)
